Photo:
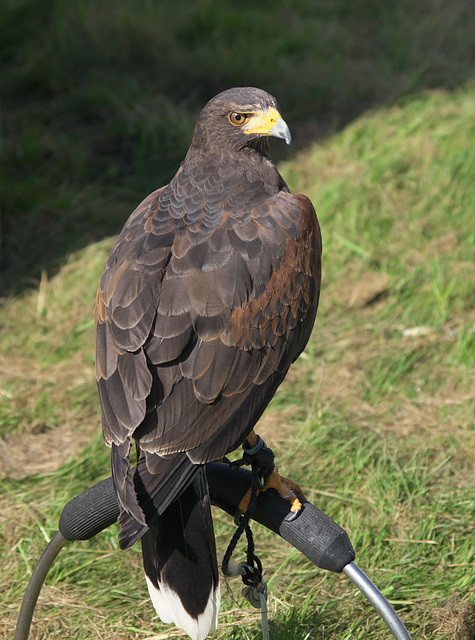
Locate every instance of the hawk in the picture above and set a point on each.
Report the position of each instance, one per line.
(208, 296)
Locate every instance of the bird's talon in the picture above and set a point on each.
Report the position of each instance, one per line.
(296, 505)
(292, 515)
(295, 510)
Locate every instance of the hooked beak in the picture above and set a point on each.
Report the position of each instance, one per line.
(281, 130)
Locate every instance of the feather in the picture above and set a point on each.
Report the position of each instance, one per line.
(160, 350)
(135, 374)
(174, 300)
(202, 293)
(106, 351)
(233, 283)
(129, 412)
(124, 484)
(179, 558)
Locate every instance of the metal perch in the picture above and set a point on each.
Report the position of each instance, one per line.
(313, 533)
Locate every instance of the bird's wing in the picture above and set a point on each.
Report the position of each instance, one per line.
(126, 305)
(198, 323)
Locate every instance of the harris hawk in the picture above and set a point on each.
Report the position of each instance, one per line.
(208, 296)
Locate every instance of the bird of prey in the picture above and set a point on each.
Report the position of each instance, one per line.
(208, 296)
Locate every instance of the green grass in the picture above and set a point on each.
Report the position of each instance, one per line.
(376, 419)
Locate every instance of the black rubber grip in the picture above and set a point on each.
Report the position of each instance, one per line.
(90, 512)
(313, 533)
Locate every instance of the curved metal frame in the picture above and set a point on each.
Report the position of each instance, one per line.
(379, 602)
(33, 589)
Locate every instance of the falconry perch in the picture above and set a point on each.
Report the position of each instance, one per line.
(208, 296)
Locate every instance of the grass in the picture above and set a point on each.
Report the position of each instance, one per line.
(376, 419)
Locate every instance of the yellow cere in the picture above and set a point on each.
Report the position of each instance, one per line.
(262, 122)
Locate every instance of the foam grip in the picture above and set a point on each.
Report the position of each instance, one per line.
(313, 533)
(90, 512)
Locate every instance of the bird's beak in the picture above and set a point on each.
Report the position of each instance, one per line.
(281, 130)
(268, 123)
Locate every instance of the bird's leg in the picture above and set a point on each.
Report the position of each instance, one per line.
(252, 439)
(273, 480)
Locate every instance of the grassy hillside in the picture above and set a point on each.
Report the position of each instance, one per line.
(376, 419)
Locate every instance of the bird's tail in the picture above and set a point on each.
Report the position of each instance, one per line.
(179, 558)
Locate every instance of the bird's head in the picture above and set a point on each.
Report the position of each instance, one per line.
(239, 118)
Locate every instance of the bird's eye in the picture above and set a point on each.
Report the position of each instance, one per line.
(238, 119)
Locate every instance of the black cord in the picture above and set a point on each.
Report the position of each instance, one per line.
(243, 526)
(261, 460)
(252, 576)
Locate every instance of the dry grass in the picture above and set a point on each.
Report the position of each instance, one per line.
(455, 620)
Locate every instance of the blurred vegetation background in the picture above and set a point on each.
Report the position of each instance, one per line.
(376, 419)
(98, 100)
